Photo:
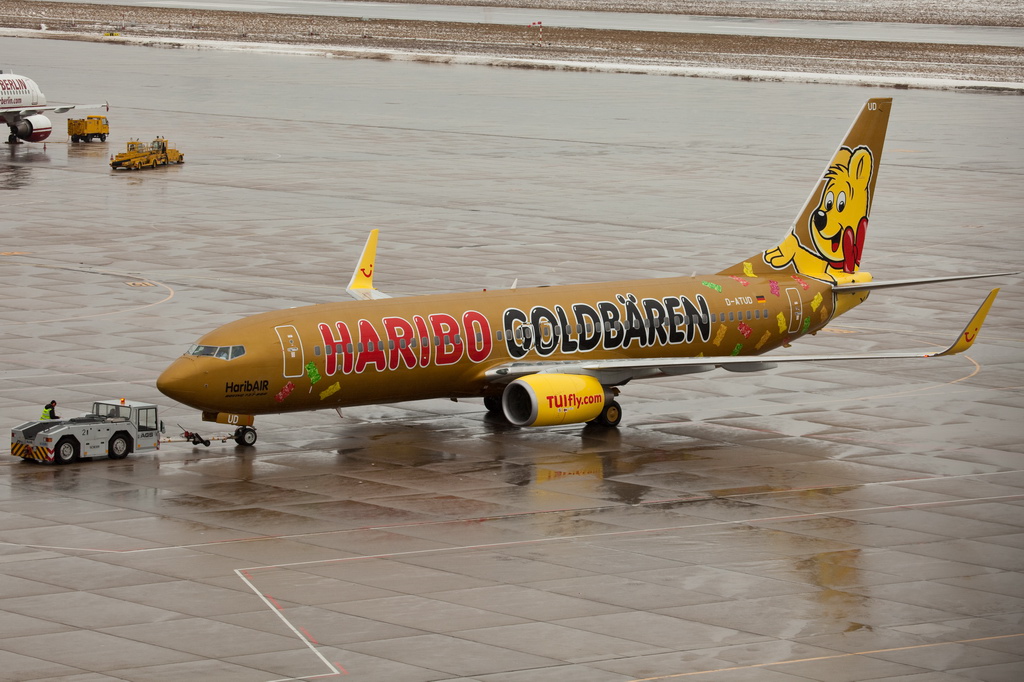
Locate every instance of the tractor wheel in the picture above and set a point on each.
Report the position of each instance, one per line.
(119, 446)
(66, 451)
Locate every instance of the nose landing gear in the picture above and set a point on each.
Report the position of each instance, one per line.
(245, 436)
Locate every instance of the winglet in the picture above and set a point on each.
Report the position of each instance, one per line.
(970, 332)
(360, 287)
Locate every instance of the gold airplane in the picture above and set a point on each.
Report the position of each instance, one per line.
(557, 355)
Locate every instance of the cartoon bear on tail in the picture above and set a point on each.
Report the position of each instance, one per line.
(837, 227)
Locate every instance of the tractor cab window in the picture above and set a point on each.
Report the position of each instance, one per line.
(108, 411)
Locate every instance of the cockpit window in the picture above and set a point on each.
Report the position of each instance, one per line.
(222, 352)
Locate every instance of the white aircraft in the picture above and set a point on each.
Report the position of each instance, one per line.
(22, 104)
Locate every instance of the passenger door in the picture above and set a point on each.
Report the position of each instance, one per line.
(796, 310)
(291, 349)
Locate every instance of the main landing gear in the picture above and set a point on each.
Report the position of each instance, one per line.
(245, 436)
(610, 416)
(492, 404)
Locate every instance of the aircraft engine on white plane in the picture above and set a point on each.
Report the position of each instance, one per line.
(550, 399)
(32, 128)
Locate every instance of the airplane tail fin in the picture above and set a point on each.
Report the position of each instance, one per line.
(827, 239)
(360, 287)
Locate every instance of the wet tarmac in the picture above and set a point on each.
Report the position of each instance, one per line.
(809, 523)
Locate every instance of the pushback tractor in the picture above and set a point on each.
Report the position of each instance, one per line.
(114, 428)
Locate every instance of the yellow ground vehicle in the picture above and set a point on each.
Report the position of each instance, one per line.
(142, 155)
(88, 128)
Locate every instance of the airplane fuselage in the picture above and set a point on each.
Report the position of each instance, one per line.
(18, 92)
(353, 353)
(20, 98)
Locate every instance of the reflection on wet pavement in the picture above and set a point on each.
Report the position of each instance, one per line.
(395, 553)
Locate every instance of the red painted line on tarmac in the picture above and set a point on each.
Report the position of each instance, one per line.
(341, 668)
(310, 637)
(274, 602)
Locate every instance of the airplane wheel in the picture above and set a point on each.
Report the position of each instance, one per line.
(245, 436)
(492, 404)
(610, 416)
(66, 451)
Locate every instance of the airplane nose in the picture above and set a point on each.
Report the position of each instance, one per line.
(180, 381)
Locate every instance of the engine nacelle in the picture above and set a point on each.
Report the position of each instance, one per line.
(32, 128)
(550, 399)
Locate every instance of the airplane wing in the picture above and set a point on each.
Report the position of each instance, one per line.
(616, 372)
(57, 109)
(360, 287)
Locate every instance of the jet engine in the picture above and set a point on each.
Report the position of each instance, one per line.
(32, 128)
(549, 399)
